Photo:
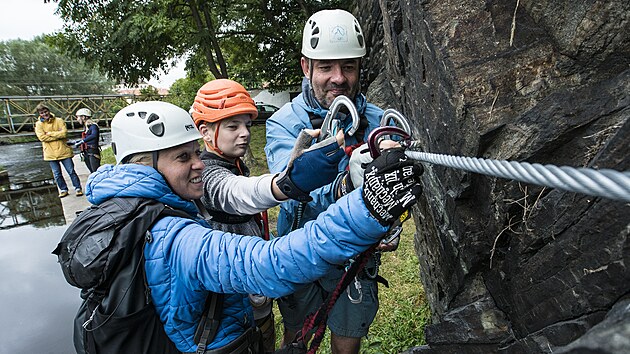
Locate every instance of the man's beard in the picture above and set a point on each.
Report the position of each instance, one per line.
(325, 101)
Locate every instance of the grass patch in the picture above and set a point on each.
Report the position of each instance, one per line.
(107, 156)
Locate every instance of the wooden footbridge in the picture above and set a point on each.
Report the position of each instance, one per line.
(18, 115)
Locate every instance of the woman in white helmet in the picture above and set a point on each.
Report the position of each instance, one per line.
(89, 140)
(157, 153)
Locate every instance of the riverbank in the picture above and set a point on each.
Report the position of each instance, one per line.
(29, 137)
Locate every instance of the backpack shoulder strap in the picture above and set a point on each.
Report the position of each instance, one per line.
(209, 324)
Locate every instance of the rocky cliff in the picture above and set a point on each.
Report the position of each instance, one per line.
(506, 266)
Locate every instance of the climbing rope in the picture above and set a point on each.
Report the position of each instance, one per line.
(599, 183)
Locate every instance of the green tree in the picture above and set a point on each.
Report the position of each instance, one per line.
(149, 93)
(182, 92)
(252, 41)
(35, 68)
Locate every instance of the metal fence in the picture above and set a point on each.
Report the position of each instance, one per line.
(18, 113)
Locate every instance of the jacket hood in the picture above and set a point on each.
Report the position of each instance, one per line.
(133, 180)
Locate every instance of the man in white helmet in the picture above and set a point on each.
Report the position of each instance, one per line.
(332, 48)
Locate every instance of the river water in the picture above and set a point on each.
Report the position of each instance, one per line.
(37, 305)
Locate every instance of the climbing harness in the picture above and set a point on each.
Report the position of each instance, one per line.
(317, 320)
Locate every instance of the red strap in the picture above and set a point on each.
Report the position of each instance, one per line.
(351, 148)
(262, 219)
(317, 320)
(265, 223)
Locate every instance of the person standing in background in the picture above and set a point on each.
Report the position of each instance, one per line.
(52, 132)
(89, 140)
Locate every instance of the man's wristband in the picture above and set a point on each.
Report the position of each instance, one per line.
(289, 188)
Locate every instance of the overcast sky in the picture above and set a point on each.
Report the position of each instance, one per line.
(26, 19)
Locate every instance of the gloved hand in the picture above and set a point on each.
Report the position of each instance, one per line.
(78, 142)
(391, 185)
(359, 159)
(310, 167)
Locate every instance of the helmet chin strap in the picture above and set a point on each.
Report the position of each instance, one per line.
(154, 155)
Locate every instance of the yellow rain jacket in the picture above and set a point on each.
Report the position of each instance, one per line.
(52, 134)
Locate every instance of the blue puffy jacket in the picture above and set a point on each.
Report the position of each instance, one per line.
(283, 128)
(186, 259)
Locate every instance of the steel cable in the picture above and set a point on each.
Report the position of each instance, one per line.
(605, 183)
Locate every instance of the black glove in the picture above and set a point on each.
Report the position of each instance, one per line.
(391, 185)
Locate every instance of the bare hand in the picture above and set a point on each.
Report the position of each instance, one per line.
(390, 246)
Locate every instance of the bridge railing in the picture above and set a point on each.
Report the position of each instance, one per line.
(18, 113)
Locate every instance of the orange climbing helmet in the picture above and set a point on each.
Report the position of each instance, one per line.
(220, 99)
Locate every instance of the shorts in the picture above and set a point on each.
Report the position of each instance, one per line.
(345, 319)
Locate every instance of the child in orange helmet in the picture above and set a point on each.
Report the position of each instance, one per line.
(223, 111)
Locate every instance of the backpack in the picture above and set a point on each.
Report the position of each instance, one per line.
(102, 253)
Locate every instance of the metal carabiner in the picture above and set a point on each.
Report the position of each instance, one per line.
(357, 285)
(335, 106)
(373, 138)
(398, 118)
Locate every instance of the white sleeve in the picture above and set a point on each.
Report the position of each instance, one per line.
(237, 195)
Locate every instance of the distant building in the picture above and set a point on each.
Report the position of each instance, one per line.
(277, 99)
(125, 89)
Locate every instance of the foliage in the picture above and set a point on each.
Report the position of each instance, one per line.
(182, 92)
(149, 93)
(107, 156)
(251, 41)
(34, 68)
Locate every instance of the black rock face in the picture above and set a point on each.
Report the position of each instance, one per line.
(512, 267)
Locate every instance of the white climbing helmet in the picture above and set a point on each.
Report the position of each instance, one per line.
(150, 126)
(84, 112)
(332, 34)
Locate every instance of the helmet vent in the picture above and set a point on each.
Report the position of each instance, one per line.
(314, 42)
(152, 118)
(360, 39)
(114, 148)
(142, 114)
(130, 114)
(157, 129)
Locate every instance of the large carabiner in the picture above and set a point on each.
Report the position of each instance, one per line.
(398, 118)
(335, 106)
(373, 139)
